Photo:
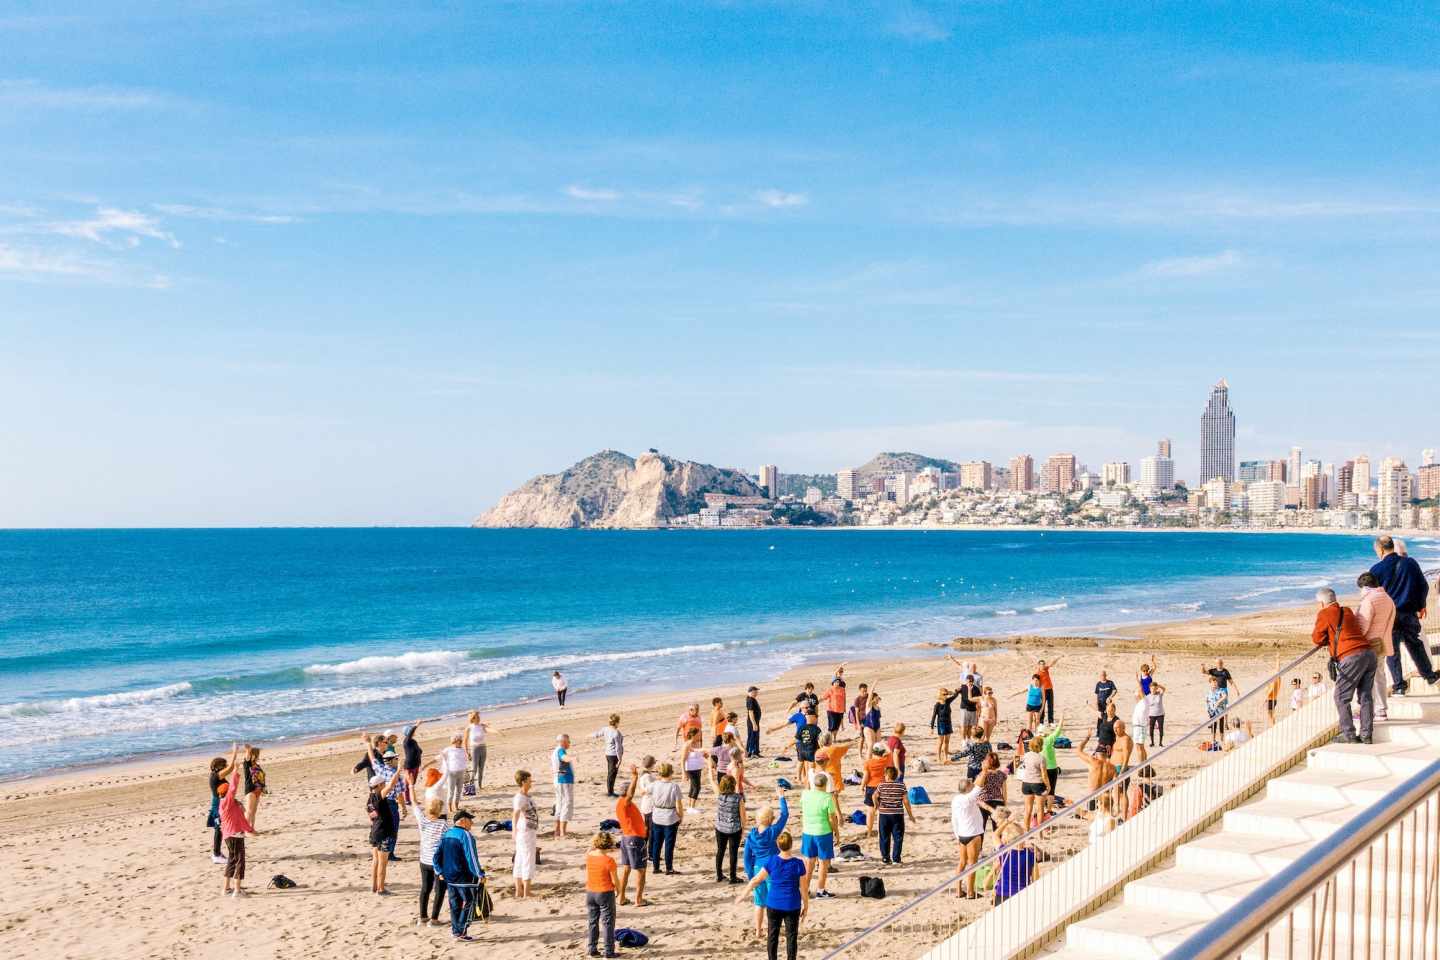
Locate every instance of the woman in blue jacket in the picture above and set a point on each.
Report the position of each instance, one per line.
(759, 848)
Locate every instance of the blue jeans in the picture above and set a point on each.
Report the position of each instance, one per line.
(662, 838)
(1407, 635)
(752, 741)
(460, 900)
(892, 836)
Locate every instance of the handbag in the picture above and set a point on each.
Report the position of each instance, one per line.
(1333, 667)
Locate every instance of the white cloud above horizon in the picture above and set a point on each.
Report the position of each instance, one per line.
(781, 199)
(1195, 266)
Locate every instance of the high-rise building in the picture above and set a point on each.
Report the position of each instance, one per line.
(1115, 474)
(770, 480)
(1162, 449)
(1310, 492)
(845, 484)
(1360, 477)
(1427, 457)
(1217, 493)
(1252, 471)
(1059, 473)
(975, 475)
(1217, 436)
(1428, 481)
(1293, 467)
(898, 487)
(1022, 473)
(1266, 498)
(1392, 493)
(1157, 476)
(1344, 479)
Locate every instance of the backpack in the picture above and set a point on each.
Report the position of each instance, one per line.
(858, 817)
(282, 882)
(918, 796)
(627, 937)
(872, 887)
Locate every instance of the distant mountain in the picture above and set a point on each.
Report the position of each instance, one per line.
(613, 490)
(883, 464)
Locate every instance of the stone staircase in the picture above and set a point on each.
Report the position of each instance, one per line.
(1253, 842)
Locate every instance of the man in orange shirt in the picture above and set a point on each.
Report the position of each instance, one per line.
(831, 758)
(600, 873)
(875, 766)
(634, 841)
(1340, 630)
(1042, 670)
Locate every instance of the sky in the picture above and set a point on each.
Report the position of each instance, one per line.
(365, 264)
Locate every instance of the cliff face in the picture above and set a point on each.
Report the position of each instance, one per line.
(611, 490)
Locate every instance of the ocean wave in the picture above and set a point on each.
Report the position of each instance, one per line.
(411, 660)
(37, 708)
(1051, 607)
(1006, 613)
(1189, 607)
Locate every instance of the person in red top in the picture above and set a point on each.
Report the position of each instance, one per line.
(233, 827)
(600, 871)
(1042, 670)
(876, 764)
(859, 706)
(689, 720)
(634, 840)
(897, 750)
(1340, 630)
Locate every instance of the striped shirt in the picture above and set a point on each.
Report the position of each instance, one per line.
(430, 832)
(890, 797)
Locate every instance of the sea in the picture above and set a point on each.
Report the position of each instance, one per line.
(119, 644)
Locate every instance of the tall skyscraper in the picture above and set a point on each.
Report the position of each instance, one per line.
(770, 480)
(1163, 449)
(1344, 479)
(1217, 436)
(1022, 473)
(1293, 467)
(845, 483)
(1360, 477)
(975, 475)
(1059, 473)
(1427, 457)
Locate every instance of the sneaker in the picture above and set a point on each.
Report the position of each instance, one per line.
(218, 860)
(464, 938)
(825, 895)
(1347, 738)
(1367, 740)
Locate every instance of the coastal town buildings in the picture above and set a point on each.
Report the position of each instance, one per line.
(1022, 473)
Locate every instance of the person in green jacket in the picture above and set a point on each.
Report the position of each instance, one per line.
(1052, 765)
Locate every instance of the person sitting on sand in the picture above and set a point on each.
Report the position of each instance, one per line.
(785, 878)
(1102, 818)
(760, 847)
(1018, 866)
(233, 828)
(634, 841)
(942, 722)
(458, 863)
(600, 894)
(1241, 732)
(525, 822)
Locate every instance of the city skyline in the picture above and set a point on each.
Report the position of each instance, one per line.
(360, 264)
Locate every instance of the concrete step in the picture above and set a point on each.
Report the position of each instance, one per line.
(1285, 819)
(1312, 785)
(1377, 760)
(1248, 856)
(1415, 733)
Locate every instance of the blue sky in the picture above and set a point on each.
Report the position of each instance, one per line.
(358, 264)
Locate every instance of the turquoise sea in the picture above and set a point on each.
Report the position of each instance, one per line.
(119, 643)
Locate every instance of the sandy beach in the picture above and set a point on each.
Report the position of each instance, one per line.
(115, 861)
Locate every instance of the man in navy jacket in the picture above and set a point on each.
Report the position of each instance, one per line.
(458, 862)
(1403, 580)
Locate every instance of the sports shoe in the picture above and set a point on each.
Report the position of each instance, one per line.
(1367, 740)
(825, 895)
(218, 860)
(1347, 738)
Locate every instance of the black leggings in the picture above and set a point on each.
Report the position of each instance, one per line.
(694, 777)
(215, 843)
(430, 879)
(723, 842)
(791, 919)
(612, 767)
(1157, 727)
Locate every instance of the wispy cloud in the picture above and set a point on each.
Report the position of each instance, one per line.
(35, 264)
(592, 193)
(949, 374)
(781, 199)
(913, 23)
(113, 227)
(31, 94)
(1196, 266)
(222, 214)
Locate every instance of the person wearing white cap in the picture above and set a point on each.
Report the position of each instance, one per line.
(564, 783)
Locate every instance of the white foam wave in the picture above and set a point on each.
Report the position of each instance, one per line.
(1006, 613)
(1050, 607)
(1191, 607)
(35, 708)
(411, 660)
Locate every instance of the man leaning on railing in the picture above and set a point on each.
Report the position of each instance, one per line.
(1354, 664)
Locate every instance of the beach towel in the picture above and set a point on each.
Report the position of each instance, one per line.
(627, 937)
(918, 796)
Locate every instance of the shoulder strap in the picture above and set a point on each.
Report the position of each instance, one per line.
(1335, 633)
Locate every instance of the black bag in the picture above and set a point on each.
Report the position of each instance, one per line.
(1333, 667)
(872, 887)
(481, 906)
(282, 882)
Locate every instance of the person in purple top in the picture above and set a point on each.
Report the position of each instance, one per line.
(1404, 582)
